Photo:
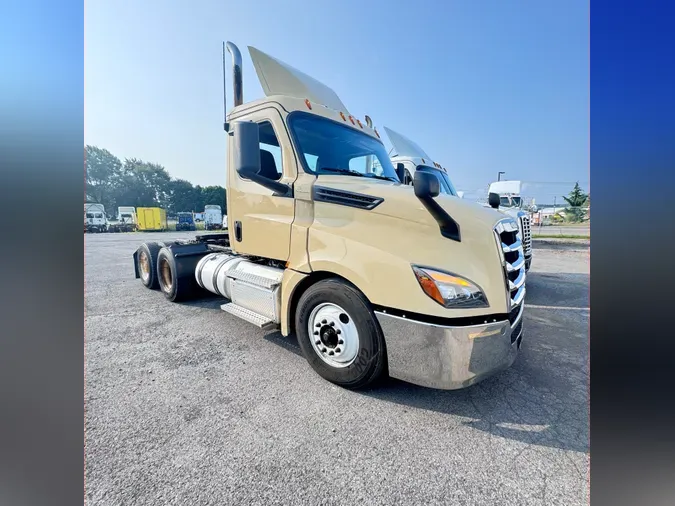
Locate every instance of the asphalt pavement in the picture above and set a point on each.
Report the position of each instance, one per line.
(188, 405)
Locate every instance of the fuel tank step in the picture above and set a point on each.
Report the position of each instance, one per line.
(256, 319)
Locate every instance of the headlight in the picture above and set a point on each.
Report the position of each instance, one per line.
(449, 290)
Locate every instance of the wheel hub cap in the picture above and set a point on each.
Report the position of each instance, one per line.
(333, 335)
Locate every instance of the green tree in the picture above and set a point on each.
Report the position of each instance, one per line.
(576, 199)
(147, 183)
(103, 171)
(183, 197)
(214, 195)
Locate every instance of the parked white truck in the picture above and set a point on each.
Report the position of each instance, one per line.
(126, 220)
(213, 217)
(511, 203)
(374, 277)
(408, 158)
(94, 218)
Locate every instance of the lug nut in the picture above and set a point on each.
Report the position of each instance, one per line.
(338, 331)
(318, 325)
(341, 341)
(337, 350)
(323, 350)
(318, 341)
(323, 321)
(332, 324)
(316, 332)
(331, 353)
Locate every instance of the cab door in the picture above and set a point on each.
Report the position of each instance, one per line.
(260, 222)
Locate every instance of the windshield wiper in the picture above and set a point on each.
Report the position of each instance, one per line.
(385, 178)
(343, 171)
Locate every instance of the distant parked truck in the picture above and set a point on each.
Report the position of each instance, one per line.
(213, 217)
(185, 221)
(151, 219)
(94, 218)
(126, 220)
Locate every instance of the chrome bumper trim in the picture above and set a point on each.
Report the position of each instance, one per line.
(443, 357)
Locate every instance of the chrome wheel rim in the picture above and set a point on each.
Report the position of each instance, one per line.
(165, 273)
(144, 264)
(333, 335)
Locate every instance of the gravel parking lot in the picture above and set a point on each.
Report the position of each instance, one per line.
(188, 405)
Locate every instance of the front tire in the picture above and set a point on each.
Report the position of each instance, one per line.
(339, 335)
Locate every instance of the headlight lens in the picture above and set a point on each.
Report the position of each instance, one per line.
(449, 290)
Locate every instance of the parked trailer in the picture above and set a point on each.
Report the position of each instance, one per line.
(213, 217)
(373, 276)
(151, 219)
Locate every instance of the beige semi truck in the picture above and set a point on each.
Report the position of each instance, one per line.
(374, 277)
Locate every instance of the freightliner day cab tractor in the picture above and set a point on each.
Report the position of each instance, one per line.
(374, 277)
(410, 158)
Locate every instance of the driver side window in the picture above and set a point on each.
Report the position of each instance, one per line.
(271, 161)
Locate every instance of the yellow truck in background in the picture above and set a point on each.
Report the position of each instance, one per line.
(151, 219)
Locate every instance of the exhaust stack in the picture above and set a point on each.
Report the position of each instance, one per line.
(237, 78)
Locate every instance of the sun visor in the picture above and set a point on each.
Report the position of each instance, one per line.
(404, 146)
(279, 78)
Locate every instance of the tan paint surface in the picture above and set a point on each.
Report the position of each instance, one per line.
(372, 249)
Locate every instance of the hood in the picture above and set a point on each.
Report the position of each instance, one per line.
(400, 202)
(279, 78)
(404, 146)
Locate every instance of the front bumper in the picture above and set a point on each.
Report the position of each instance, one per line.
(448, 358)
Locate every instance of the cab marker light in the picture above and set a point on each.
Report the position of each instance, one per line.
(308, 104)
(342, 115)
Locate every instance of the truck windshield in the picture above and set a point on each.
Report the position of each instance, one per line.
(446, 185)
(510, 201)
(327, 147)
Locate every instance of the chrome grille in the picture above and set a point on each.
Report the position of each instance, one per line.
(527, 234)
(509, 239)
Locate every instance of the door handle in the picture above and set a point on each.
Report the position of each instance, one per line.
(237, 230)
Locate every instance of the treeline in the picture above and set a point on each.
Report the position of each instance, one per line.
(114, 183)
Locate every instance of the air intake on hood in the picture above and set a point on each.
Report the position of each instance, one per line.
(345, 198)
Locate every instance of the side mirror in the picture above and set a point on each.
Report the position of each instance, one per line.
(400, 172)
(426, 185)
(494, 200)
(246, 154)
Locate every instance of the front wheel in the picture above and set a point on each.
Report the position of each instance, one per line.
(339, 334)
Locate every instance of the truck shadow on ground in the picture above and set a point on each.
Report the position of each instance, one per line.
(542, 399)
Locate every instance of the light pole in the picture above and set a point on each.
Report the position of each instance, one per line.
(499, 175)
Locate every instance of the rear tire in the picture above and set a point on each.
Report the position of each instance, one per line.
(339, 335)
(147, 264)
(176, 276)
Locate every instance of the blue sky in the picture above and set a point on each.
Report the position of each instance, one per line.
(482, 86)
